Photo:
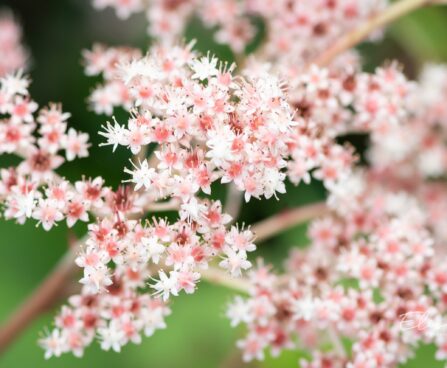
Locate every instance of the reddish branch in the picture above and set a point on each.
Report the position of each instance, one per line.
(42, 298)
(286, 220)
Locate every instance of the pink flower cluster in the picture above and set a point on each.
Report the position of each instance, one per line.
(366, 268)
(374, 261)
(208, 125)
(119, 254)
(346, 100)
(42, 141)
(115, 318)
(330, 103)
(118, 260)
(111, 303)
(33, 189)
(13, 54)
(251, 129)
(417, 148)
(299, 31)
(106, 61)
(296, 31)
(413, 156)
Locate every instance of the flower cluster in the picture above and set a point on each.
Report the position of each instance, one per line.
(118, 260)
(366, 268)
(33, 189)
(300, 31)
(14, 56)
(417, 148)
(208, 125)
(348, 100)
(252, 129)
(331, 103)
(106, 61)
(296, 31)
(116, 317)
(111, 303)
(42, 141)
(354, 298)
(413, 156)
(119, 253)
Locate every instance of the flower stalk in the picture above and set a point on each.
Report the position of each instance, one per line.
(41, 299)
(282, 221)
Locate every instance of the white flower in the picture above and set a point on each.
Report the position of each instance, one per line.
(432, 161)
(75, 144)
(153, 319)
(239, 311)
(115, 135)
(92, 257)
(166, 285)
(273, 182)
(204, 67)
(154, 247)
(47, 213)
(305, 308)
(142, 176)
(112, 336)
(54, 344)
(192, 210)
(235, 261)
(25, 204)
(137, 69)
(219, 142)
(240, 240)
(436, 327)
(96, 279)
(15, 84)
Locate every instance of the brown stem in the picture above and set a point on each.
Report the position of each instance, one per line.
(171, 205)
(354, 37)
(141, 156)
(42, 298)
(220, 277)
(282, 221)
(233, 202)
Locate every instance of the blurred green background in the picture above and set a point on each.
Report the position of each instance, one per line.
(198, 334)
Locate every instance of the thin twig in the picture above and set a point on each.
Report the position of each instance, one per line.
(354, 37)
(171, 205)
(220, 277)
(233, 201)
(141, 156)
(282, 221)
